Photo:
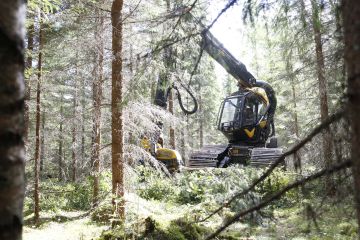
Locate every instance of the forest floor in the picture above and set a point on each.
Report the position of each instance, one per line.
(64, 226)
(286, 224)
(170, 204)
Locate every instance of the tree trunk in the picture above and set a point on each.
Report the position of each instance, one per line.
(29, 59)
(73, 150)
(320, 66)
(74, 127)
(291, 76)
(61, 140)
(116, 111)
(201, 130)
(297, 159)
(172, 130)
(12, 160)
(37, 128)
(351, 15)
(168, 62)
(97, 96)
(42, 142)
(182, 142)
(83, 119)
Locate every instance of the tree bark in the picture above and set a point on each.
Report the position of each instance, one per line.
(320, 66)
(351, 15)
(116, 111)
(37, 128)
(12, 159)
(97, 96)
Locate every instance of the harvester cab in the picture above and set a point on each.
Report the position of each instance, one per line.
(243, 118)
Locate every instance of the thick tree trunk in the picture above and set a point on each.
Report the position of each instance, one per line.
(12, 160)
(29, 59)
(97, 96)
(351, 15)
(61, 140)
(37, 128)
(320, 66)
(116, 111)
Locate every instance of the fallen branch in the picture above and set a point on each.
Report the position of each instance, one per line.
(345, 164)
(331, 119)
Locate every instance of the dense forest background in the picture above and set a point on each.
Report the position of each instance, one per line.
(91, 72)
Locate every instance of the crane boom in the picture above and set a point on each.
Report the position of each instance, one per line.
(219, 53)
(236, 68)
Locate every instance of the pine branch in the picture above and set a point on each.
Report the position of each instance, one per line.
(158, 49)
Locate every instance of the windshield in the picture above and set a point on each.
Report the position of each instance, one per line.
(231, 109)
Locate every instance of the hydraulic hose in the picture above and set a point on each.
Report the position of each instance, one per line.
(186, 111)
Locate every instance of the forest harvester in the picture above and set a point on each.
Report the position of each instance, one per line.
(246, 117)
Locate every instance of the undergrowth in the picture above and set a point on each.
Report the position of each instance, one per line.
(67, 196)
(165, 208)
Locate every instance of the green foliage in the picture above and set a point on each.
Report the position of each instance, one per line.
(114, 234)
(103, 214)
(80, 196)
(57, 196)
(277, 181)
(155, 185)
(179, 229)
(205, 190)
(194, 187)
(213, 185)
(47, 6)
(347, 228)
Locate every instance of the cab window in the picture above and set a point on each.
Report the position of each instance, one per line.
(254, 110)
